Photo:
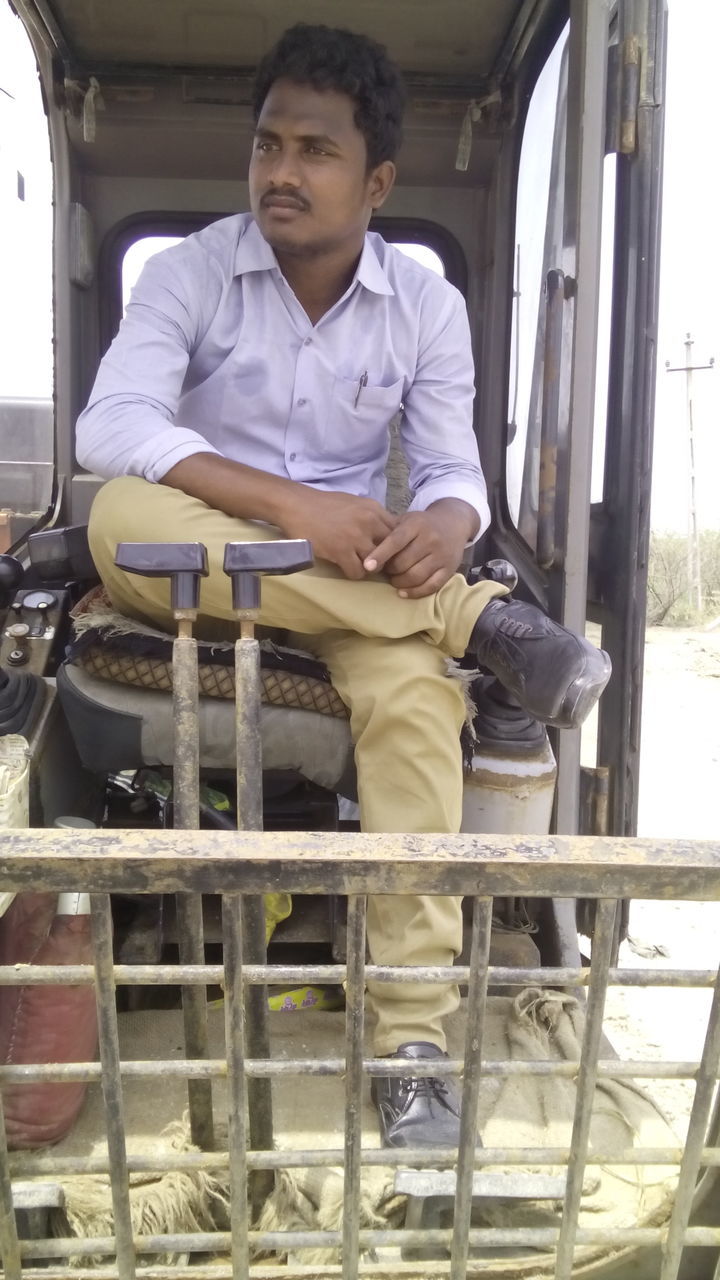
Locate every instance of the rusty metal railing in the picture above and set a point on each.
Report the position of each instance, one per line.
(235, 864)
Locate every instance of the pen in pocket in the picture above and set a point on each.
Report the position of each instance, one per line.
(362, 383)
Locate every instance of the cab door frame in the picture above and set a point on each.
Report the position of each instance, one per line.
(597, 566)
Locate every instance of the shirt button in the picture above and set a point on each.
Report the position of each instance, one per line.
(307, 342)
(301, 403)
(293, 456)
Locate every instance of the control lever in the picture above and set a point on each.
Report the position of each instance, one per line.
(11, 575)
(184, 563)
(58, 555)
(502, 571)
(243, 563)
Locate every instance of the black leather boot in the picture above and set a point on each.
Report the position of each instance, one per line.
(417, 1111)
(556, 675)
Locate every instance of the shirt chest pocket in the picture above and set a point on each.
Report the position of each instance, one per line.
(359, 416)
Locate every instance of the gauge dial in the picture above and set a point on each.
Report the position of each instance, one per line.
(39, 600)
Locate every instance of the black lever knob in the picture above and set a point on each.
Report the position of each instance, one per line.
(60, 554)
(11, 575)
(501, 571)
(184, 563)
(243, 562)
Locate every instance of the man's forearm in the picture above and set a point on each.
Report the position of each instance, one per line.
(341, 527)
(236, 489)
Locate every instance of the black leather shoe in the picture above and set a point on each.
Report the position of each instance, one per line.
(556, 675)
(417, 1112)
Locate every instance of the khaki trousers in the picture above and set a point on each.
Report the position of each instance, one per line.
(386, 656)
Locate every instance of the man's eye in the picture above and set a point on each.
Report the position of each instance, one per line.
(317, 151)
(261, 145)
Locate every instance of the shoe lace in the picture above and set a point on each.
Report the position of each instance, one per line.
(424, 1086)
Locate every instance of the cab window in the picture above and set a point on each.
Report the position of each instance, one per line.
(140, 250)
(26, 325)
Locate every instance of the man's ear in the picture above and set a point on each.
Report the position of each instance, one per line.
(381, 183)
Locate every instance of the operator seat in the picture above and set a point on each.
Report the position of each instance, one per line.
(114, 683)
(114, 688)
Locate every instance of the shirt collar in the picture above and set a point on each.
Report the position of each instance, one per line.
(370, 273)
(254, 254)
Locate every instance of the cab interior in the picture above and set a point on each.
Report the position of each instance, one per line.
(150, 125)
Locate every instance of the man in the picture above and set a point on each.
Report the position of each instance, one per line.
(248, 395)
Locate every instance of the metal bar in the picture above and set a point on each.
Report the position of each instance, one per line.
(444, 1157)
(354, 1027)
(486, 1237)
(143, 975)
(186, 750)
(186, 817)
(9, 1243)
(112, 1083)
(373, 1271)
(582, 237)
(586, 1081)
(551, 370)
(232, 918)
(248, 746)
(216, 1068)
(248, 736)
(697, 1129)
(342, 862)
(476, 1005)
(191, 948)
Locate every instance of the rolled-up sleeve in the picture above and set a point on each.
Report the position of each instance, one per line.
(437, 426)
(128, 426)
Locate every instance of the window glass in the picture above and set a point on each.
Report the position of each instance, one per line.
(139, 252)
(26, 323)
(537, 215)
(136, 257)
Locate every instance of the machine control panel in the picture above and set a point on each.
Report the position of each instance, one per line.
(31, 625)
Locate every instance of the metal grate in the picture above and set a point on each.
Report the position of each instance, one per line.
(241, 865)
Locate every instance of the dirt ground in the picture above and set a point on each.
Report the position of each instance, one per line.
(679, 796)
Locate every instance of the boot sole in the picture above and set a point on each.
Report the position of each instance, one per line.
(582, 694)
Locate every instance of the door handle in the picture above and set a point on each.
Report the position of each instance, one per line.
(547, 482)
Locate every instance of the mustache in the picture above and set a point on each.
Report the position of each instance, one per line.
(289, 196)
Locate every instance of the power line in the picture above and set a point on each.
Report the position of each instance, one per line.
(694, 568)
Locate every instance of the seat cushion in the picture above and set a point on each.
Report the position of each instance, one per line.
(114, 689)
(117, 726)
(113, 647)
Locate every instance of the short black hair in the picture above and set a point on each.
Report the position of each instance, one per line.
(331, 58)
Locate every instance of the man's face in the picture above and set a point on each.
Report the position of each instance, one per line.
(310, 188)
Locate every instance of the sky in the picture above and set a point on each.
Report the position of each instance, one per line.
(690, 268)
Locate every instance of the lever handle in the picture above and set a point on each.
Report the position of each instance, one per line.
(59, 554)
(243, 562)
(184, 563)
(11, 575)
(502, 571)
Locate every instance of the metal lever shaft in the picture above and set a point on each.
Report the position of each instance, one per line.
(244, 562)
(184, 563)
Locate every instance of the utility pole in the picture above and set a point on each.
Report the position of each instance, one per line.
(694, 568)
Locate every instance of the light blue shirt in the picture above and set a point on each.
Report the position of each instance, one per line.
(216, 354)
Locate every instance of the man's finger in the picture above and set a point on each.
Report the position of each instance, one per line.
(351, 566)
(396, 541)
(428, 588)
(418, 572)
(410, 556)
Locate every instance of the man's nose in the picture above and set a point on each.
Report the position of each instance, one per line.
(285, 170)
